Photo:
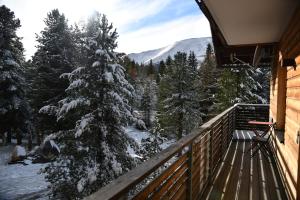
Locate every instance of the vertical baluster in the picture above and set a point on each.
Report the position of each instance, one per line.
(190, 173)
(210, 164)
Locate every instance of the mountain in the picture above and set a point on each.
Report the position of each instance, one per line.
(198, 45)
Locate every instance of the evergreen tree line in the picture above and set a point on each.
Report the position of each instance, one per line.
(182, 93)
(77, 91)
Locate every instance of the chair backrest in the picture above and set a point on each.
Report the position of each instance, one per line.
(269, 130)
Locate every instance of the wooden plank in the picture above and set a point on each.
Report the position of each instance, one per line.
(254, 173)
(231, 188)
(169, 172)
(270, 180)
(245, 177)
(291, 73)
(293, 104)
(172, 181)
(293, 82)
(293, 93)
(173, 191)
(181, 193)
(215, 190)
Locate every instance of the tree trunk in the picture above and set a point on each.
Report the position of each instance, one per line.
(180, 126)
(3, 138)
(19, 137)
(29, 140)
(39, 137)
(148, 119)
(8, 136)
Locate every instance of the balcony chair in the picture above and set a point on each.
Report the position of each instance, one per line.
(261, 141)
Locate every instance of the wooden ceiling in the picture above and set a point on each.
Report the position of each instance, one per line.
(238, 48)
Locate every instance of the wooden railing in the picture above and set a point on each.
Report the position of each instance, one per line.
(248, 112)
(183, 170)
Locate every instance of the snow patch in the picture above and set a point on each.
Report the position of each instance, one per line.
(167, 143)
(52, 110)
(82, 124)
(100, 52)
(136, 135)
(96, 64)
(20, 151)
(80, 185)
(108, 77)
(132, 153)
(54, 145)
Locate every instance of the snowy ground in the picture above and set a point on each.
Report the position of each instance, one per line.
(24, 182)
(19, 181)
(138, 135)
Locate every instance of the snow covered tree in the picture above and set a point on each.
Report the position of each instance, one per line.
(14, 108)
(209, 75)
(161, 71)
(162, 68)
(180, 111)
(227, 92)
(192, 60)
(149, 101)
(150, 69)
(54, 56)
(93, 152)
(243, 85)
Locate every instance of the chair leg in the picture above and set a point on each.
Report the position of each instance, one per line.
(255, 150)
(267, 149)
(252, 146)
(264, 152)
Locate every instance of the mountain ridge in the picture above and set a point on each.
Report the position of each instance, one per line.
(198, 45)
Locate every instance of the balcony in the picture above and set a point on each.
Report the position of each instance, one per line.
(210, 163)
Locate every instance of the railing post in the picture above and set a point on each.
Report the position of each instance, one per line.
(223, 136)
(229, 132)
(234, 118)
(210, 154)
(190, 173)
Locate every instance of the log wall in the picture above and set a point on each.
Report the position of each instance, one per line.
(285, 105)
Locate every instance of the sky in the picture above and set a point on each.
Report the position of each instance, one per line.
(142, 24)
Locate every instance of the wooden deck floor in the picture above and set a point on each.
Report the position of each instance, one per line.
(241, 177)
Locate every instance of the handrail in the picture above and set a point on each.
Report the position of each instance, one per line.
(219, 131)
(134, 176)
(247, 104)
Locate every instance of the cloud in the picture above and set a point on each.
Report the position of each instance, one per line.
(163, 34)
(124, 15)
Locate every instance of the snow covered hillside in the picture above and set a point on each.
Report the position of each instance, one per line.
(198, 45)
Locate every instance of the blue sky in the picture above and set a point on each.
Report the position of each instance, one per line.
(141, 24)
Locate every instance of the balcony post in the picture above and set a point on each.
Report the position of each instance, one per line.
(210, 154)
(190, 173)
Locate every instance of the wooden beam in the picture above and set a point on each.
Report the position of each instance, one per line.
(281, 97)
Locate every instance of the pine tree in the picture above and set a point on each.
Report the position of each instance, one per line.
(181, 102)
(54, 56)
(210, 76)
(151, 70)
(243, 85)
(93, 152)
(161, 71)
(149, 101)
(193, 61)
(162, 68)
(14, 108)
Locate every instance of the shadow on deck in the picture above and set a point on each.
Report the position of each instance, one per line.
(241, 177)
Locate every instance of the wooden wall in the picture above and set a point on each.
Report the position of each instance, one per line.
(285, 105)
